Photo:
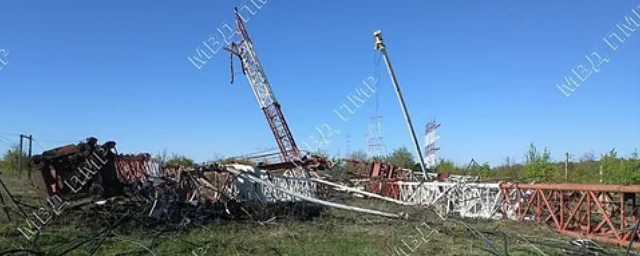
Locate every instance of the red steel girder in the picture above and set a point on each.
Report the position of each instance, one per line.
(130, 168)
(604, 213)
(375, 169)
(280, 129)
(261, 87)
(386, 188)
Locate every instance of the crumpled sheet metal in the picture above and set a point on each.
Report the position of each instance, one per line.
(142, 167)
(240, 183)
(138, 168)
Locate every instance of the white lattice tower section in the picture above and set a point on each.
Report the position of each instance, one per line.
(430, 145)
(374, 136)
(466, 199)
(245, 190)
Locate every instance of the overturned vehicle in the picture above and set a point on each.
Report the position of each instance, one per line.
(77, 173)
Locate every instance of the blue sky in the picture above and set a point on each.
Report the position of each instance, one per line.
(486, 70)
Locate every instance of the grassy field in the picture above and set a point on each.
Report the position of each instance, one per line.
(335, 232)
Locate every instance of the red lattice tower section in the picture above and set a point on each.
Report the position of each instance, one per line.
(252, 69)
(604, 213)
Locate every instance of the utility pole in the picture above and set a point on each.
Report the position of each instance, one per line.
(379, 45)
(21, 150)
(566, 167)
(30, 146)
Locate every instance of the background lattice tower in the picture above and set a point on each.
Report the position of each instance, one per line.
(374, 136)
(375, 142)
(430, 142)
(347, 147)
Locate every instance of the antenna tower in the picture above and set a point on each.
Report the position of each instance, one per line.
(430, 142)
(348, 146)
(374, 136)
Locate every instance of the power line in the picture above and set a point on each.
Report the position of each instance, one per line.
(59, 141)
(41, 140)
(5, 140)
(38, 144)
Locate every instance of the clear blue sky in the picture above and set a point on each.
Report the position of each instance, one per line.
(486, 70)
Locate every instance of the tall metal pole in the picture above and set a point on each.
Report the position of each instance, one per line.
(379, 45)
(20, 150)
(30, 146)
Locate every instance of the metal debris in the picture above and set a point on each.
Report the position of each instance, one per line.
(89, 181)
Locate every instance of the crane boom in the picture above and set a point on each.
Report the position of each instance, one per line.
(252, 68)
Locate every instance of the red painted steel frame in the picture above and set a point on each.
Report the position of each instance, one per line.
(383, 175)
(385, 188)
(604, 213)
(130, 168)
(377, 170)
(272, 111)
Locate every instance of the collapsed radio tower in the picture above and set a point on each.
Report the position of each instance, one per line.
(430, 142)
(290, 156)
(252, 68)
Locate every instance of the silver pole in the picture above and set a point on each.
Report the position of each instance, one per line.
(379, 45)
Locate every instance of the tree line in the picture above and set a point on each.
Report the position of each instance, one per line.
(608, 168)
(538, 166)
(9, 160)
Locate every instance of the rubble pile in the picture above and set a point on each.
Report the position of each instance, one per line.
(89, 174)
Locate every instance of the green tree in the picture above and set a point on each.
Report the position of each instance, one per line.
(616, 170)
(337, 162)
(9, 161)
(402, 158)
(538, 166)
(509, 170)
(586, 169)
(233, 160)
(180, 160)
(446, 165)
(217, 158)
(384, 159)
(339, 168)
(632, 168)
(610, 165)
(485, 170)
(161, 156)
(358, 155)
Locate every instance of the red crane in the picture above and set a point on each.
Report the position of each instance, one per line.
(252, 69)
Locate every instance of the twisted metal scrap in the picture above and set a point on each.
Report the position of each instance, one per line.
(138, 192)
